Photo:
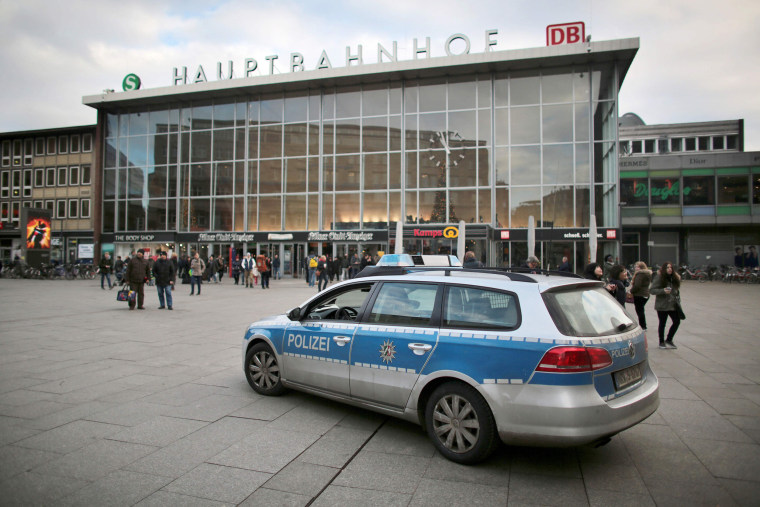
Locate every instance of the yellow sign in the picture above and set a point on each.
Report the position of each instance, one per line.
(450, 232)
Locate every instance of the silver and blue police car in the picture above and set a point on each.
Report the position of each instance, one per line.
(474, 356)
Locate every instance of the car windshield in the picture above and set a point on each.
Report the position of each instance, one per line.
(587, 312)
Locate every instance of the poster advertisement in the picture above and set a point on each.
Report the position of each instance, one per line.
(36, 235)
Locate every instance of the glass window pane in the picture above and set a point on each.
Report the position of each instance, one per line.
(200, 179)
(157, 215)
(200, 146)
(502, 166)
(224, 115)
(327, 211)
(375, 210)
(135, 216)
(484, 167)
(484, 206)
(295, 212)
(347, 136)
(462, 94)
(270, 177)
(411, 132)
(525, 202)
(252, 222)
(634, 191)
(295, 180)
(347, 103)
(433, 169)
(376, 172)
(558, 206)
(526, 164)
(558, 164)
(296, 108)
(394, 207)
(581, 122)
(374, 101)
(463, 206)
(665, 191)
(313, 168)
(347, 211)
(138, 124)
(479, 309)
(394, 170)
(271, 141)
(347, 172)
(525, 125)
(225, 176)
(295, 139)
(136, 181)
(523, 89)
(558, 123)
(200, 214)
(328, 170)
(733, 190)
(270, 217)
(224, 144)
(501, 127)
(271, 110)
(556, 87)
(240, 177)
(462, 168)
(411, 207)
(253, 177)
(222, 215)
(156, 181)
(201, 119)
(432, 206)
(430, 124)
(432, 97)
(375, 134)
(484, 91)
(138, 151)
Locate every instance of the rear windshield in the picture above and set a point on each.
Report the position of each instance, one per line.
(587, 312)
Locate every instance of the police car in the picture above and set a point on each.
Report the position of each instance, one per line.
(474, 356)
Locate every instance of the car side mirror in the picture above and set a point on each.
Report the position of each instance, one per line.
(295, 313)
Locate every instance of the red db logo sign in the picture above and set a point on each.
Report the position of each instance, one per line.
(566, 33)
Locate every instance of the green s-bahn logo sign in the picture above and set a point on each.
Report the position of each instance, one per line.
(131, 82)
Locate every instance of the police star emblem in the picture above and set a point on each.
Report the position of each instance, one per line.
(387, 351)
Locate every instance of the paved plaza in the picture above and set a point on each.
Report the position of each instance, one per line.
(103, 406)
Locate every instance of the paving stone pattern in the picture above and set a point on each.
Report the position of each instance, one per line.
(104, 406)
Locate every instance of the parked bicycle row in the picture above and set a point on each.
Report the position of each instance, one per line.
(723, 273)
(49, 271)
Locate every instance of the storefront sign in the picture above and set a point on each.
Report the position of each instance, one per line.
(565, 33)
(671, 188)
(448, 233)
(226, 237)
(354, 56)
(342, 236)
(85, 250)
(557, 234)
(279, 237)
(131, 82)
(134, 238)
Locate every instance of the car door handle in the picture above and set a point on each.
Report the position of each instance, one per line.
(420, 348)
(341, 340)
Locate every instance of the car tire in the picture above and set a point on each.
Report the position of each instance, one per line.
(460, 423)
(262, 370)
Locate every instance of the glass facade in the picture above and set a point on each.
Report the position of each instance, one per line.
(488, 149)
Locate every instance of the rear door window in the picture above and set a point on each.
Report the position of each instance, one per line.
(476, 308)
(404, 303)
(583, 311)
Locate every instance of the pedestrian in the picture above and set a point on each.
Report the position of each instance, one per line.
(321, 272)
(197, 267)
(593, 271)
(276, 267)
(642, 279)
(344, 263)
(246, 266)
(751, 260)
(739, 257)
(608, 263)
(313, 261)
(470, 261)
(138, 272)
(618, 282)
(665, 287)
(165, 274)
(118, 269)
(105, 266)
(330, 271)
(236, 267)
(532, 263)
(220, 267)
(354, 265)
(565, 266)
(210, 273)
(264, 267)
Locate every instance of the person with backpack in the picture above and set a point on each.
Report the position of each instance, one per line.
(264, 266)
(322, 275)
(313, 262)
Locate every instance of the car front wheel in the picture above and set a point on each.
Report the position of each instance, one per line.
(263, 371)
(460, 424)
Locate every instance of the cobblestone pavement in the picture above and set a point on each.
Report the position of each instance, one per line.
(103, 406)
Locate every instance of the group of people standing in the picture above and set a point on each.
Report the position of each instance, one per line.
(324, 269)
(664, 284)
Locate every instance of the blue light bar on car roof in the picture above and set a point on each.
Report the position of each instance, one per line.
(407, 260)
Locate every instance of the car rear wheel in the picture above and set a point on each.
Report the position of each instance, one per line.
(460, 423)
(263, 371)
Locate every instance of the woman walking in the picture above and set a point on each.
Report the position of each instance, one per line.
(618, 282)
(642, 278)
(665, 286)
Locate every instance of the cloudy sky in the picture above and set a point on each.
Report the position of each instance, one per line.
(697, 59)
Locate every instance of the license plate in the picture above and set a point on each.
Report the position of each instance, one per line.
(628, 376)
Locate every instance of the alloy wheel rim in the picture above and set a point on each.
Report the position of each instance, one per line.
(456, 424)
(264, 370)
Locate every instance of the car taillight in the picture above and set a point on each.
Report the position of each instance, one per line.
(574, 360)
